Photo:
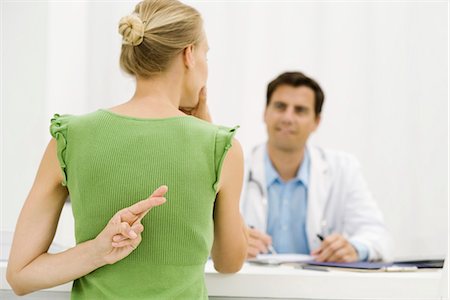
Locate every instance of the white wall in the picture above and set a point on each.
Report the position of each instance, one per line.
(383, 67)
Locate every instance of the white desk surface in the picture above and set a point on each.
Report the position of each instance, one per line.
(285, 282)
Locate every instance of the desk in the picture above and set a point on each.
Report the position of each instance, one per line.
(259, 282)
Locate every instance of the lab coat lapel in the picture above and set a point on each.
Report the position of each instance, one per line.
(255, 207)
(318, 191)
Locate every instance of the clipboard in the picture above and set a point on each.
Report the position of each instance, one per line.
(365, 266)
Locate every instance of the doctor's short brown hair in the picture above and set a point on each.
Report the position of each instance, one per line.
(297, 79)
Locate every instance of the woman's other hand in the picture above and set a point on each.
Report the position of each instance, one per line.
(200, 111)
(122, 234)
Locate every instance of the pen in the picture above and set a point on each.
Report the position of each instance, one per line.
(271, 249)
(320, 237)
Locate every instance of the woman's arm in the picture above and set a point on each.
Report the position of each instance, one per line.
(230, 233)
(36, 226)
(31, 268)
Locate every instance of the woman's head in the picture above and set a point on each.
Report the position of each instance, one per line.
(155, 33)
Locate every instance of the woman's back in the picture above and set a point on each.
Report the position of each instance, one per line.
(111, 161)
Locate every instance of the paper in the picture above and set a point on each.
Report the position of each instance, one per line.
(277, 259)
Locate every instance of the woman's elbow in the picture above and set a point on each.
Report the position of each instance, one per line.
(228, 268)
(20, 292)
(14, 283)
(230, 264)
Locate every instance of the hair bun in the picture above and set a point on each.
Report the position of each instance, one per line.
(132, 30)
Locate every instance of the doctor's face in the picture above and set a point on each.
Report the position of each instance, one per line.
(290, 117)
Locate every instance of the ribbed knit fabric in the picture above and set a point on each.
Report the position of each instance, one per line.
(111, 161)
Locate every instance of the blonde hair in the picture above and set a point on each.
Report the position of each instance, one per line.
(155, 33)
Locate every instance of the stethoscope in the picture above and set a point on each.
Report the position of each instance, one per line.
(324, 228)
(258, 184)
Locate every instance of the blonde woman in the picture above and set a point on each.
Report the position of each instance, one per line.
(159, 143)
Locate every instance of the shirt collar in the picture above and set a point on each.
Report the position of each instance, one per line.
(272, 175)
(303, 171)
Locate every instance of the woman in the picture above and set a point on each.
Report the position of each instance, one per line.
(110, 159)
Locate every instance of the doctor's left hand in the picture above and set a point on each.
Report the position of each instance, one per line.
(335, 248)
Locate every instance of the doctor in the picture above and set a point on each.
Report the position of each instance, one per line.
(300, 198)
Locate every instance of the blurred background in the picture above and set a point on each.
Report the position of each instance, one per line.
(383, 66)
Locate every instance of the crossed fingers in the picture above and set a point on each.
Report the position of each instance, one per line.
(129, 218)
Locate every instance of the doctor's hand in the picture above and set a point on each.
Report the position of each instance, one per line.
(122, 234)
(335, 248)
(200, 111)
(258, 242)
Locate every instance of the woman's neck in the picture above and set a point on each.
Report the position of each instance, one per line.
(158, 97)
(165, 88)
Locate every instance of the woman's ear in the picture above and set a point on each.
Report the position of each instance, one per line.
(188, 56)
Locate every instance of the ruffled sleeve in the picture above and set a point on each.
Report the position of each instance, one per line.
(224, 138)
(58, 129)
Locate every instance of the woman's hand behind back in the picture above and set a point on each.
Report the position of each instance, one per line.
(122, 234)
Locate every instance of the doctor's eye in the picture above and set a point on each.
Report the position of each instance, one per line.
(301, 109)
(279, 105)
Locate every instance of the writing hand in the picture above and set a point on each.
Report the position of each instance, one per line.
(335, 248)
(258, 242)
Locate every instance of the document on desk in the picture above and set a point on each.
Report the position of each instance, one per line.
(278, 259)
(364, 266)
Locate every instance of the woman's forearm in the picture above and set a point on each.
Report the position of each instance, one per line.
(49, 270)
(230, 247)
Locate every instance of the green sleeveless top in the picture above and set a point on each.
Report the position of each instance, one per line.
(110, 162)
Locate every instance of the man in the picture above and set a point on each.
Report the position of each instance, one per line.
(304, 199)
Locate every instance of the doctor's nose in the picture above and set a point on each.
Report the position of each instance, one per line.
(288, 115)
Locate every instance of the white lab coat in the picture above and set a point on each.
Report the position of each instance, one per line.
(339, 201)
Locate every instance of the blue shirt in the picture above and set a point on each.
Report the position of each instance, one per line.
(288, 202)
